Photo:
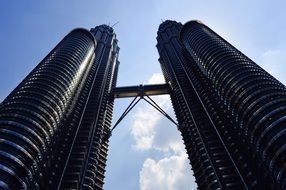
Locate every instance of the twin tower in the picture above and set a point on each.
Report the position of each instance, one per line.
(54, 126)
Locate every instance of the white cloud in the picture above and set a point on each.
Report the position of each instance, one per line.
(156, 78)
(146, 122)
(146, 118)
(143, 128)
(151, 131)
(168, 173)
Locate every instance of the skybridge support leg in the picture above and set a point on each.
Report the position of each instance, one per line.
(140, 92)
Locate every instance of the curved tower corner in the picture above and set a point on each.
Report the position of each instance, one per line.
(53, 125)
(254, 97)
(32, 117)
(230, 111)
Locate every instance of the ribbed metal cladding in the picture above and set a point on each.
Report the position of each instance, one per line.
(31, 115)
(86, 160)
(213, 166)
(94, 174)
(254, 97)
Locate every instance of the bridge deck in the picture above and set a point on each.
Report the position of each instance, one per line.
(140, 91)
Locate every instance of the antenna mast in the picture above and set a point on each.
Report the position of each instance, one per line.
(114, 24)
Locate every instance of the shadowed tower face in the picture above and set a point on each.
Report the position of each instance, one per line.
(53, 124)
(231, 112)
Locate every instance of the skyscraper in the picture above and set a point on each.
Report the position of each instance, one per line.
(231, 112)
(54, 126)
(53, 123)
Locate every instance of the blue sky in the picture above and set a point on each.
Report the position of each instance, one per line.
(146, 151)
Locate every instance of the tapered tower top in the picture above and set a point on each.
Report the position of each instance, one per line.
(189, 24)
(83, 30)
